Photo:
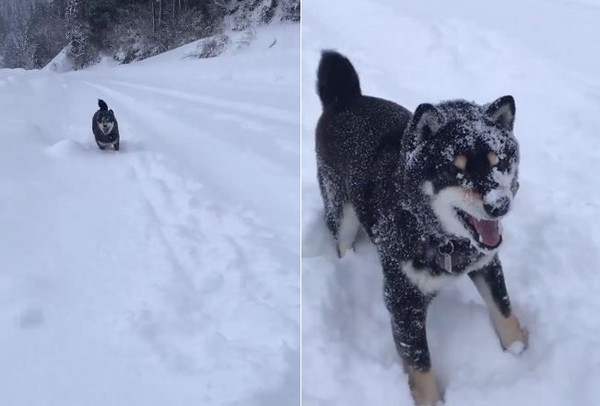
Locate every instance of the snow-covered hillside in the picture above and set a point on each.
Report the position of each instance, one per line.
(416, 51)
(166, 273)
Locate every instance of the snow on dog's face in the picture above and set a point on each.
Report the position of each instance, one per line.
(105, 121)
(468, 160)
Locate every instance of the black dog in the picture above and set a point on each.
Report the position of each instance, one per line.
(105, 127)
(429, 189)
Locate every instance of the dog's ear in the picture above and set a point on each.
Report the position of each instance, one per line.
(502, 112)
(426, 121)
(110, 111)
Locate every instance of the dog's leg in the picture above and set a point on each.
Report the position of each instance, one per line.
(348, 230)
(489, 282)
(116, 146)
(333, 200)
(423, 387)
(408, 310)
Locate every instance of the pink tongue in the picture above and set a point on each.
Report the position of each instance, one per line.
(488, 230)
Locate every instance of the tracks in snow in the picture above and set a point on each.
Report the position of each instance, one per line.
(220, 311)
(230, 149)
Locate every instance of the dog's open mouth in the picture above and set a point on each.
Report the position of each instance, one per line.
(486, 232)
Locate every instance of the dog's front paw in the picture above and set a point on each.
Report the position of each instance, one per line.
(438, 403)
(514, 338)
(516, 348)
(424, 388)
(342, 249)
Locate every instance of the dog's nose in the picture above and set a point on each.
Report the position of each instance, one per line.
(499, 208)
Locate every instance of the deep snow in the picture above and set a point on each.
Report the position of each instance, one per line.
(427, 51)
(166, 273)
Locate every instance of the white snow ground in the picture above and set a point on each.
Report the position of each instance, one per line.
(543, 53)
(166, 273)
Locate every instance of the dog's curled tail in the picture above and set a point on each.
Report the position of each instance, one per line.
(337, 80)
(102, 104)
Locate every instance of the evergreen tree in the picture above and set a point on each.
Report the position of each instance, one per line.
(45, 35)
(32, 32)
(80, 48)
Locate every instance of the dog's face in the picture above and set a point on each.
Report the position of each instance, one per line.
(105, 121)
(470, 169)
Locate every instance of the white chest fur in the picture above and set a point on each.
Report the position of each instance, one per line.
(428, 283)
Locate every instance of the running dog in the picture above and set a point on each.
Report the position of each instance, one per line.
(105, 127)
(430, 189)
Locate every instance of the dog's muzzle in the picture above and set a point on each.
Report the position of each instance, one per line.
(499, 208)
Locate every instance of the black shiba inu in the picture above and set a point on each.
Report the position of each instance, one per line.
(105, 127)
(430, 189)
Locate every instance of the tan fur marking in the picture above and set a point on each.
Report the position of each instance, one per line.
(342, 249)
(460, 162)
(493, 158)
(469, 194)
(473, 196)
(423, 387)
(508, 329)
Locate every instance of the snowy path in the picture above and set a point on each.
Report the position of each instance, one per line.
(166, 273)
(413, 52)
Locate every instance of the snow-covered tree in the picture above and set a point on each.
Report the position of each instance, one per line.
(32, 32)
